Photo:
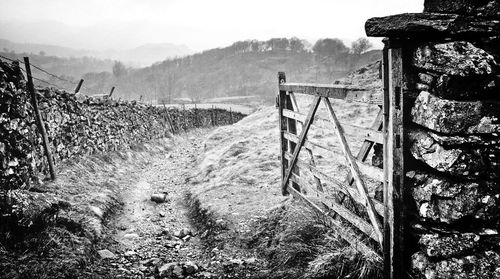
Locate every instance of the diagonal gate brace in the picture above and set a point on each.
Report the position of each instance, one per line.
(300, 143)
(355, 171)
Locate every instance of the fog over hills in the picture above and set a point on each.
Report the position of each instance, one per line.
(57, 39)
(245, 68)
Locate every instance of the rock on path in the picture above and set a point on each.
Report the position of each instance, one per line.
(143, 235)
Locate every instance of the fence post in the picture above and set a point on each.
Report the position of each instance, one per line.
(39, 119)
(393, 245)
(196, 124)
(169, 120)
(77, 89)
(215, 117)
(111, 92)
(230, 115)
(212, 116)
(184, 116)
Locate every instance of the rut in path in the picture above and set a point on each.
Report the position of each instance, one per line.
(141, 234)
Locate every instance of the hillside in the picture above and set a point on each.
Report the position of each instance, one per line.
(239, 181)
(69, 70)
(222, 214)
(143, 55)
(242, 69)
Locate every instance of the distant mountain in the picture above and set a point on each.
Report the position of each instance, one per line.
(148, 54)
(51, 50)
(140, 56)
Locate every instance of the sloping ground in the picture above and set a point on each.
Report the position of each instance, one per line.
(109, 225)
(78, 205)
(239, 178)
(240, 168)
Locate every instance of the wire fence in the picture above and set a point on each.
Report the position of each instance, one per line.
(43, 71)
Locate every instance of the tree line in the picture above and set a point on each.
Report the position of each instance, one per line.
(245, 68)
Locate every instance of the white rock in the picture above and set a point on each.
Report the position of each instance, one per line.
(130, 253)
(97, 211)
(106, 254)
(236, 261)
(250, 260)
(131, 236)
(186, 231)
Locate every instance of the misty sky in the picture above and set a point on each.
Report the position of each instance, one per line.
(100, 24)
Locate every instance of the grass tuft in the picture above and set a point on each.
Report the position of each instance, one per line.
(298, 243)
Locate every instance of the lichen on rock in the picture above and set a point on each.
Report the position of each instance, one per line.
(462, 161)
(458, 58)
(478, 266)
(448, 201)
(455, 117)
(460, 88)
(435, 245)
(465, 7)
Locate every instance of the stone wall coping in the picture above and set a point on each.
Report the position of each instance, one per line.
(425, 25)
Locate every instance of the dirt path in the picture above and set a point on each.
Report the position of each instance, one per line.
(156, 240)
(146, 235)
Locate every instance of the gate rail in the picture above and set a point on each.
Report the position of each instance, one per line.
(368, 232)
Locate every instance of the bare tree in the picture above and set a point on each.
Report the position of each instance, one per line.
(360, 46)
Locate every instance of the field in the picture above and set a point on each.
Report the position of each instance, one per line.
(234, 107)
(239, 182)
(244, 159)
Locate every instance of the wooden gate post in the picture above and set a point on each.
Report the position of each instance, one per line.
(39, 120)
(282, 125)
(286, 125)
(393, 246)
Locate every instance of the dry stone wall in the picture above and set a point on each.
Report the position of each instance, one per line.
(78, 125)
(454, 133)
(452, 92)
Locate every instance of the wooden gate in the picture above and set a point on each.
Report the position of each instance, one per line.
(358, 217)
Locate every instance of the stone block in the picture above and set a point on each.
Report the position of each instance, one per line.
(477, 266)
(431, 25)
(471, 88)
(436, 245)
(458, 58)
(446, 200)
(487, 8)
(462, 161)
(455, 117)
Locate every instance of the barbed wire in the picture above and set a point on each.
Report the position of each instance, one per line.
(74, 84)
(40, 69)
(53, 75)
(35, 78)
(42, 80)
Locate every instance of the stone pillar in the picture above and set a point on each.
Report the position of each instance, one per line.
(452, 77)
